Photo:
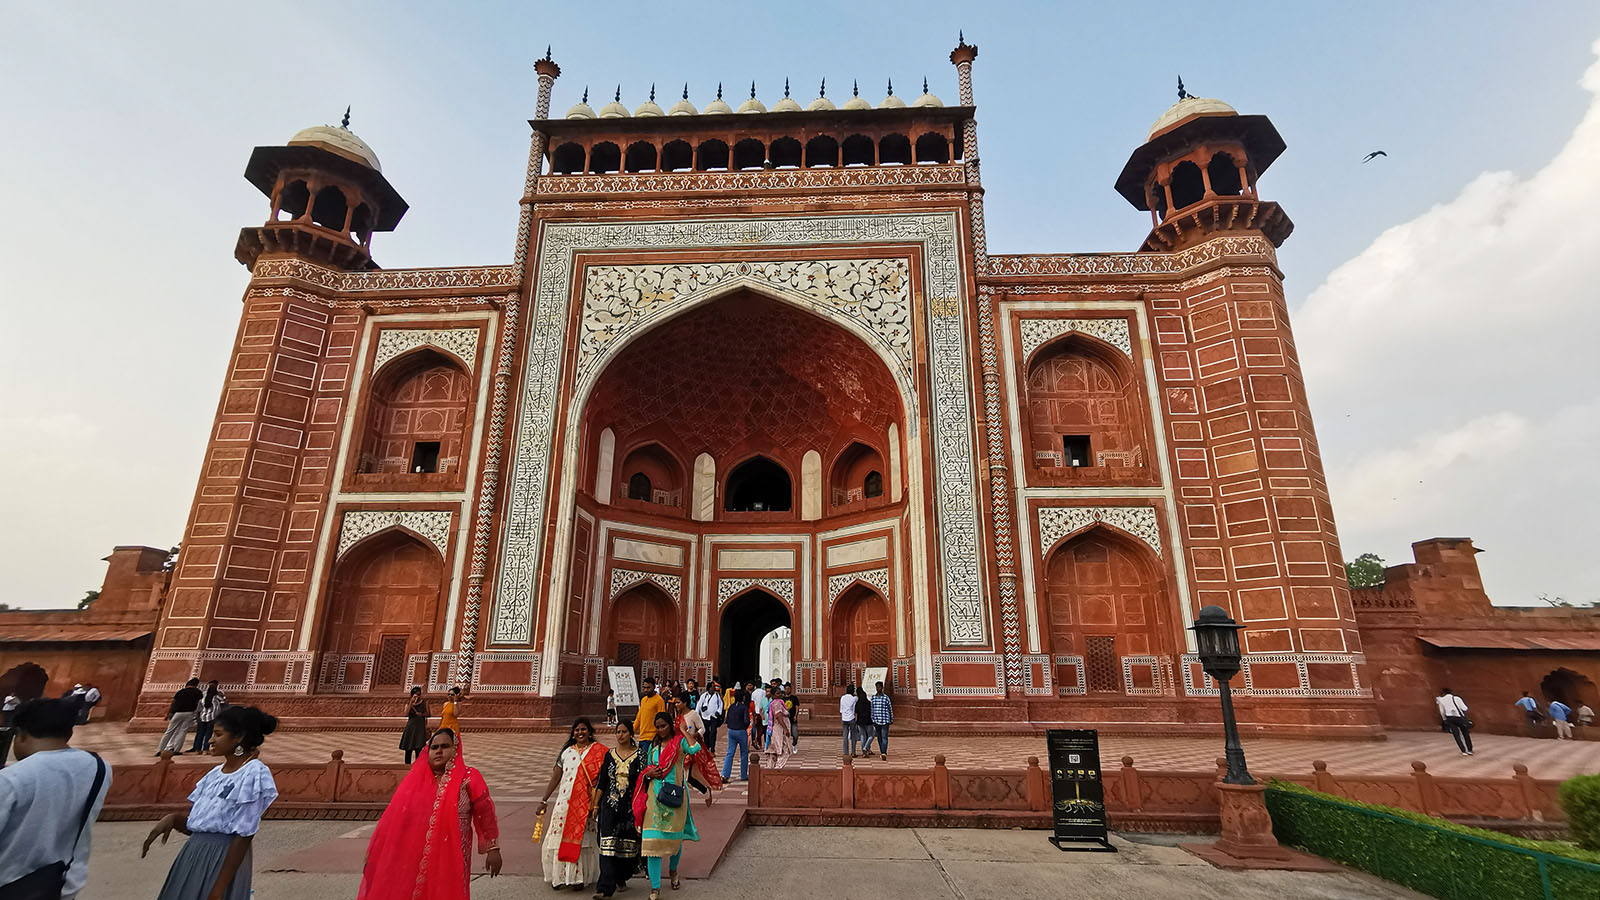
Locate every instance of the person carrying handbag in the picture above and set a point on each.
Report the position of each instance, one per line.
(660, 806)
(47, 802)
(1453, 715)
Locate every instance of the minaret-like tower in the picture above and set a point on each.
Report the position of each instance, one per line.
(328, 196)
(1196, 173)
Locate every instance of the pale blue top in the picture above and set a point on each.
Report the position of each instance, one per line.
(223, 803)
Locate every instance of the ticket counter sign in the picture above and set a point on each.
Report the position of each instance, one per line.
(1078, 797)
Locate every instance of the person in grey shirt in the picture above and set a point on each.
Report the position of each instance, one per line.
(42, 796)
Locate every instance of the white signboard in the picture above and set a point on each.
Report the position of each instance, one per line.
(871, 676)
(624, 684)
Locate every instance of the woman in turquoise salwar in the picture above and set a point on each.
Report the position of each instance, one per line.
(669, 758)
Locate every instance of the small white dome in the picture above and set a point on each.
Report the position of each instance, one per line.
(337, 139)
(892, 102)
(614, 109)
(683, 107)
(752, 106)
(717, 107)
(648, 108)
(787, 104)
(581, 109)
(820, 104)
(1186, 108)
(856, 103)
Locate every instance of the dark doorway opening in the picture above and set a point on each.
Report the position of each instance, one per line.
(745, 621)
(425, 456)
(758, 485)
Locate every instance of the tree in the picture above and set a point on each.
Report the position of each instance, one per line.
(1365, 571)
(88, 598)
(4, 607)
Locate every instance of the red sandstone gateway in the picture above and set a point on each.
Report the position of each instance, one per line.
(756, 368)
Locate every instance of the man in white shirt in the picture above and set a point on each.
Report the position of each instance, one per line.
(1453, 712)
(709, 706)
(42, 797)
(847, 717)
(758, 726)
(91, 697)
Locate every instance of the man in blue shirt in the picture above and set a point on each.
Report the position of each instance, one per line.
(1561, 714)
(1530, 709)
(882, 715)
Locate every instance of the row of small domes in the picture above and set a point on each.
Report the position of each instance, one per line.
(719, 107)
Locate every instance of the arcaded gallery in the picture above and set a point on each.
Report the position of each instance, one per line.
(752, 368)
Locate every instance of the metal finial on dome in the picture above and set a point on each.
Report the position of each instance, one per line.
(891, 87)
(752, 89)
(719, 90)
(961, 36)
(686, 90)
(586, 93)
(786, 85)
(823, 92)
(924, 84)
(346, 123)
(855, 88)
(1182, 94)
(652, 92)
(547, 53)
(618, 97)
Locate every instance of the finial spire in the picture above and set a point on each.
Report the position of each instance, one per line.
(924, 84)
(786, 87)
(719, 90)
(346, 123)
(1182, 94)
(652, 92)
(891, 87)
(547, 53)
(855, 87)
(824, 91)
(961, 36)
(586, 95)
(752, 89)
(686, 90)
(618, 97)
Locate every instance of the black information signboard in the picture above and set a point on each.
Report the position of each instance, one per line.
(1078, 799)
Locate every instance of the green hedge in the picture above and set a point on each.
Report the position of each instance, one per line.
(1431, 855)
(1580, 798)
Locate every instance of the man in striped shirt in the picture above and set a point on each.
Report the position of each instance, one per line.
(882, 716)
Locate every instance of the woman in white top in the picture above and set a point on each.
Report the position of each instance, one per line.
(225, 810)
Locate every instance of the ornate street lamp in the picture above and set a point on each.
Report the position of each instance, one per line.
(1216, 637)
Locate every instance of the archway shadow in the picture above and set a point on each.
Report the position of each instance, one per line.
(745, 621)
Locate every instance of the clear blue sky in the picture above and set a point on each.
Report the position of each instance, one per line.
(131, 125)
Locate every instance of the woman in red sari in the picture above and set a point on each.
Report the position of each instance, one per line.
(422, 847)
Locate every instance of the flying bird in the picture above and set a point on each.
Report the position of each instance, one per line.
(1372, 156)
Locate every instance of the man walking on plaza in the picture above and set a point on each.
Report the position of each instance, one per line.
(758, 718)
(180, 717)
(650, 703)
(1453, 712)
(1560, 716)
(710, 708)
(882, 717)
(1530, 709)
(738, 722)
(847, 719)
(47, 802)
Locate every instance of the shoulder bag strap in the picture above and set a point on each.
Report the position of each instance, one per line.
(88, 804)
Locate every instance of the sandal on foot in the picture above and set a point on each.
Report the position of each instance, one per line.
(655, 894)
(676, 883)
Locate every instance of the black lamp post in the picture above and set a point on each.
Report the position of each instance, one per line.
(1216, 637)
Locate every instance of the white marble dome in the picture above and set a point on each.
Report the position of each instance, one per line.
(891, 101)
(683, 107)
(752, 106)
(337, 139)
(648, 108)
(1187, 107)
(820, 104)
(927, 99)
(717, 107)
(581, 109)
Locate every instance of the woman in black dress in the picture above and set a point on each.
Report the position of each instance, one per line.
(619, 836)
(415, 738)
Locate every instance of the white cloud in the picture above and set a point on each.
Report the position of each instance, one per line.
(1452, 368)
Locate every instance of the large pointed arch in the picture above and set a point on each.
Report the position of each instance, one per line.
(1107, 601)
(385, 604)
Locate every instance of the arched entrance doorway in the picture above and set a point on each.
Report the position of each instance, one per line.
(385, 602)
(1105, 602)
(644, 631)
(745, 621)
(861, 632)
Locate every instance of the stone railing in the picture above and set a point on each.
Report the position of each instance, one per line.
(1136, 799)
(331, 790)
